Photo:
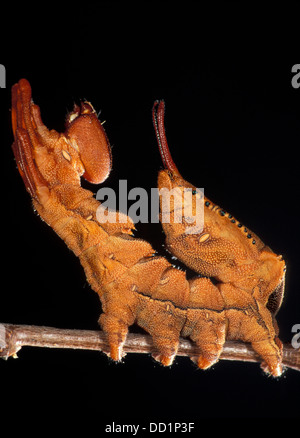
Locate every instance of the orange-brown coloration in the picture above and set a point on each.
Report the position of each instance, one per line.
(135, 285)
(88, 137)
(251, 277)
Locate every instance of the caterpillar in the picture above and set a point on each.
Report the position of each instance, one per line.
(134, 284)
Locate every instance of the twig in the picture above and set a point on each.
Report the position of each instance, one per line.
(14, 337)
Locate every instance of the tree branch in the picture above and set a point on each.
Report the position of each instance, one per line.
(14, 337)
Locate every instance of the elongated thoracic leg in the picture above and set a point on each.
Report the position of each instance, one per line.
(51, 164)
(48, 158)
(26, 138)
(135, 285)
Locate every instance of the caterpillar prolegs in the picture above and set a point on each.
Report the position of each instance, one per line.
(135, 285)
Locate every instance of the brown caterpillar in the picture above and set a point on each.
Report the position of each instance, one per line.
(133, 283)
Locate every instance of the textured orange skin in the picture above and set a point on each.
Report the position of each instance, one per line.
(135, 285)
(248, 273)
(228, 254)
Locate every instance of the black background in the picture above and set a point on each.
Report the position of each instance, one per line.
(232, 120)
